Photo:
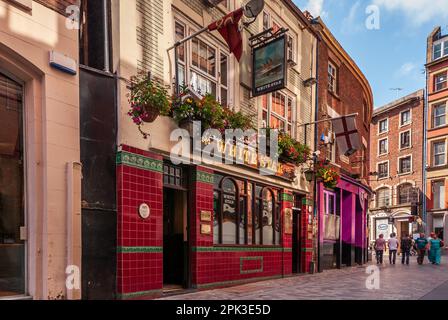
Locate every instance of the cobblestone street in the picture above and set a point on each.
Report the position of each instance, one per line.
(396, 283)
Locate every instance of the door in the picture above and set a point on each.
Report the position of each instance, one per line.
(296, 232)
(12, 207)
(175, 240)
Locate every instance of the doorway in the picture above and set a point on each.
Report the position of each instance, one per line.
(12, 195)
(175, 230)
(296, 233)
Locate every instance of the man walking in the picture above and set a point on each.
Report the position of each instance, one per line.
(406, 246)
(393, 248)
(422, 246)
(380, 246)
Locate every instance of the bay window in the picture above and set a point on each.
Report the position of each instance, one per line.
(202, 65)
(279, 112)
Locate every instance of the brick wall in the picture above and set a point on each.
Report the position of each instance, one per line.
(393, 135)
(58, 5)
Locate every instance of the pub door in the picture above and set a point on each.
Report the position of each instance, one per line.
(296, 232)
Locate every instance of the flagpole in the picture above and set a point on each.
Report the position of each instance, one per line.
(328, 120)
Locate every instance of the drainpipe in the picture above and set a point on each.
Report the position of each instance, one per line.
(106, 36)
(425, 153)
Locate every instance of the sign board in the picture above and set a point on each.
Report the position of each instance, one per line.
(144, 211)
(288, 221)
(206, 216)
(269, 67)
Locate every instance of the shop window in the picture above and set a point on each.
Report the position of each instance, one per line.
(95, 35)
(229, 211)
(331, 217)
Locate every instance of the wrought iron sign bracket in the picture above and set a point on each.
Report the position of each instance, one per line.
(265, 37)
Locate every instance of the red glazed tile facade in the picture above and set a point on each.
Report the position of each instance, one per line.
(140, 242)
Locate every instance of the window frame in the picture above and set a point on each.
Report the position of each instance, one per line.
(443, 49)
(387, 146)
(388, 170)
(189, 68)
(270, 113)
(377, 198)
(401, 139)
(400, 172)
(445, 73)
(401, 118)
(433, 144)
(379, 126)
(443, 116)
(332, 78)
(442, 195)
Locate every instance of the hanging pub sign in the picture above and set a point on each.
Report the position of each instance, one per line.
(269, 67)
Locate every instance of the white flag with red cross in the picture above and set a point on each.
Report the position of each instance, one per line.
(347, 135)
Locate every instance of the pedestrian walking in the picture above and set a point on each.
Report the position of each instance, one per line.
(380, 246)
(435, 250)
(422, 246)
(406, 246)
(393, 248)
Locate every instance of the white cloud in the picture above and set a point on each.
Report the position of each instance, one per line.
(351, 24)
(417, 11)
(316, 8)
(406, 69)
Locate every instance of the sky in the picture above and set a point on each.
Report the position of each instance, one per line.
(386, 38)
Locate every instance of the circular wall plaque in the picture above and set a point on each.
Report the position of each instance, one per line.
(144, 211)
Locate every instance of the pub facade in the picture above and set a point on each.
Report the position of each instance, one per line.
(198, 224)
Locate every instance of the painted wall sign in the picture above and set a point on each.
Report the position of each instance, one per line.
(270, 67)
(144, 211)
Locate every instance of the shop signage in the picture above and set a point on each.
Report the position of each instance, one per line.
(288, 221)
(206, 216)
(248, 156)
(144, 211)
(270, 66)
(206, 229)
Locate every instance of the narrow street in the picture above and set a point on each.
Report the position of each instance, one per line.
(397, 282)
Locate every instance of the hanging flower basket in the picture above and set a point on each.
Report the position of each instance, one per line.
(292, 151)
(329, 177)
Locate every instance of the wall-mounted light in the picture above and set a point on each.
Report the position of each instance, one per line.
(310, 82)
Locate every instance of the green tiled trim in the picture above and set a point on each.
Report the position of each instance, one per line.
(140, 162)
(235, 282)
(288, 197)
(139, 249)
(307, 250)
(307, 202)
(132, 295)
(238, 249)
(204, 177)
(242, 259)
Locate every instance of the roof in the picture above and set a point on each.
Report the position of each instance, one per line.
(399, 102)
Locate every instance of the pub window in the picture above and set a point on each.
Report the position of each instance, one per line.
(205, 67)
(173, 176)
(278, 112)
(95, 35)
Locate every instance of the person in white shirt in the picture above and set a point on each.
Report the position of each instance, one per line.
(393, 248)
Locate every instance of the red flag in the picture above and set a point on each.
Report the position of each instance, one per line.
(229, 30)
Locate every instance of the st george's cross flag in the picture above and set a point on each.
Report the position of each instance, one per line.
(347, 136)
(229, 29)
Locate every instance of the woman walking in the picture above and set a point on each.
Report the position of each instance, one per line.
(435, 250)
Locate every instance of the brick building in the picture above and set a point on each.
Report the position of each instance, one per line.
(397, 157)
(40, 172)
(342, 90)
(437, 133)
(186, 242)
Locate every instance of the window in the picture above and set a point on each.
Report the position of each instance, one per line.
(383, 170)
(405, 118)
(405, 139)
(266, 21)
(279, 112)
(439, 152)
(439, 115)
(405, 165)
(383, 146)
(384, 126)
(440, 50)
(330, 203)
(173, 176)
(203, 66)
(290, 48)
(405, 193)
(236, 222)
(332, 78)
(383, 197)
(440, 81)
(438, 190)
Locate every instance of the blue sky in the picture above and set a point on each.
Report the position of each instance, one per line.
(392, 56)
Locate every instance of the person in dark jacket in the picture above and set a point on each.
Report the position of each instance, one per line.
(406, 246)
(422, 246)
